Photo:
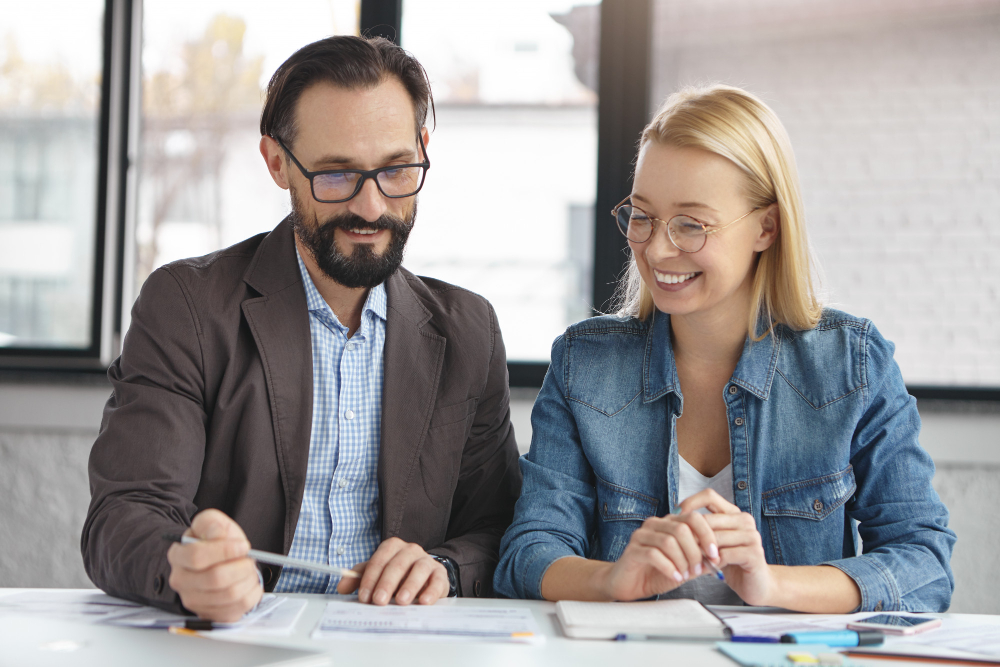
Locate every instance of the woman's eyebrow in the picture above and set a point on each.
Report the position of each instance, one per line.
(683, 204)
(694, 204)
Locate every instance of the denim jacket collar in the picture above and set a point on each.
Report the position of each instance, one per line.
(754, 371)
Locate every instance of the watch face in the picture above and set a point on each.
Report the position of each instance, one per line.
(449, 567)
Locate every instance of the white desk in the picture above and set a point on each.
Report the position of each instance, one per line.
(556, 650)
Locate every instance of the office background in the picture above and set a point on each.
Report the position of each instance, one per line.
(128, 138)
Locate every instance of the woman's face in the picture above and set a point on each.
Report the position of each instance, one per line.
(673, 181)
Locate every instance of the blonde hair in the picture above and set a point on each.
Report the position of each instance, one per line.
(738, 126)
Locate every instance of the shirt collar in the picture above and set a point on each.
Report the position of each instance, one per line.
(754, 371)
(374, 304)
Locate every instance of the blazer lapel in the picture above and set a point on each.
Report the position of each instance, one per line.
(279, 321)
(413, 357)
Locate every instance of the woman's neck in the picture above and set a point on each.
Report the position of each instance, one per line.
(712, 339)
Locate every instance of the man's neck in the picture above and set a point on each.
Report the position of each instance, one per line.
(347, 303)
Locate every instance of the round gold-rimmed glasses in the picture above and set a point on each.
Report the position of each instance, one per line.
(686, 233)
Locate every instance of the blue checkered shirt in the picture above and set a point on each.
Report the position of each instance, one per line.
(338, 522)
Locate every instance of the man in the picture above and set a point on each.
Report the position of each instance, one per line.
(300, 391)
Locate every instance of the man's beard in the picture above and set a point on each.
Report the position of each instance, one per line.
(363, 267)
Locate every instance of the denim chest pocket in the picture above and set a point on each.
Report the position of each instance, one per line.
(621, 511)
(806, 519)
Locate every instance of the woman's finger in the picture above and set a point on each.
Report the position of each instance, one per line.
(653, 557)
(704, 534)
(668, 546)
(719, 522)
(710, 500)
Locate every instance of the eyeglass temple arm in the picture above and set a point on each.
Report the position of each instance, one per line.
(719, 229)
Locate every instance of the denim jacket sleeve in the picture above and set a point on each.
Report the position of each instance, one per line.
(903, 523)
(555, 513)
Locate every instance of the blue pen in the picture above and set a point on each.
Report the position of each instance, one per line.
(835, 638)
(751, 639)
(718, 572)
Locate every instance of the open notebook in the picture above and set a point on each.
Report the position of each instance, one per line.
(681, 619)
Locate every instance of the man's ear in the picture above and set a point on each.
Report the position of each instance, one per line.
(426, 135)
(770, 227)
(274, 158)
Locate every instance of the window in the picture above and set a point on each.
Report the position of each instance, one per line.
(203, 184)
(50, 95)
(507, 210)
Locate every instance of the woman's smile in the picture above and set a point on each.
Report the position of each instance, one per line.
(674, 282)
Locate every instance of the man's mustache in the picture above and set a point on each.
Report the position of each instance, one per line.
(350, 221)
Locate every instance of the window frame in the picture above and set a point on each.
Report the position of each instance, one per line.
(623, 111)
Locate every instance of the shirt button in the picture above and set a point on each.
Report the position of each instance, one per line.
(341, 551)
(342, 483)
(739, 421)
(741, 485)
(349, 414)
(818, 505)
(733, 389)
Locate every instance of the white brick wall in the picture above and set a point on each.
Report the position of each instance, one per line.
(894, 113)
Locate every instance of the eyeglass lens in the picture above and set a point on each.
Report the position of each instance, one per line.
(401, 182)
(685, 233)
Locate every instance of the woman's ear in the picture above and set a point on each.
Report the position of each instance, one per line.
(770, 227)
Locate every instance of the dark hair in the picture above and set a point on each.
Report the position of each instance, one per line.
(345, 61)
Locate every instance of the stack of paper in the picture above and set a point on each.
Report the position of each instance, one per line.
(275, 615)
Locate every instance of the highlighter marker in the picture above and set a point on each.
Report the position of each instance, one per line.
(835, 638)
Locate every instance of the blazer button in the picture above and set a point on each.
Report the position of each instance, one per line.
(733, 389)
(477, 588)
(818, 505)
(158, 583)
(739, 421)
(741, 485)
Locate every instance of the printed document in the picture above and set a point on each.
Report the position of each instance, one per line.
(441, 622)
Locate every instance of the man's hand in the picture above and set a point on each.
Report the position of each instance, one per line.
(214, 577)
(402, 569)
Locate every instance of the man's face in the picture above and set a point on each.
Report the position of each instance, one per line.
(360, 242)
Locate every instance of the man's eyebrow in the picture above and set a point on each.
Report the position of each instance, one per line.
(343, 160)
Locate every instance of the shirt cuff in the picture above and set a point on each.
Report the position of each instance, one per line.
(878, 587)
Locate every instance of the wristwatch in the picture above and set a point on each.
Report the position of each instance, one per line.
(452, 569)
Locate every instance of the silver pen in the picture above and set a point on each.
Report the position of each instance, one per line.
(277, 559)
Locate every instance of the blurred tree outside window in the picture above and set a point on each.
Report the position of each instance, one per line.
(202, 182)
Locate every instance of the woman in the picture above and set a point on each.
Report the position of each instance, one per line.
(723, 416)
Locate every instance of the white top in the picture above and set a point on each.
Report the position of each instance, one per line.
(706, 588)
(691, 482)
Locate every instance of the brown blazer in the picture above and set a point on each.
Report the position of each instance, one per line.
(212, 407)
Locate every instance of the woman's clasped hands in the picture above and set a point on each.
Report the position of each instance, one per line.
(667, 551)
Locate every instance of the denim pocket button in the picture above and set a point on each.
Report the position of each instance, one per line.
(733, 389)
(818, 505)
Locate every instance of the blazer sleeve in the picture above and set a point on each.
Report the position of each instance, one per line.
(489, 481)
(903, 525)
(145, 465)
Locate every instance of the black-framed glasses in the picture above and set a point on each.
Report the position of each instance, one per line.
(333, 186)
(686, 233)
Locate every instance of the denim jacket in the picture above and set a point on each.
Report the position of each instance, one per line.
(823, 444)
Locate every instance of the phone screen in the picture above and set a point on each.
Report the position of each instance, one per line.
(897, 621)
